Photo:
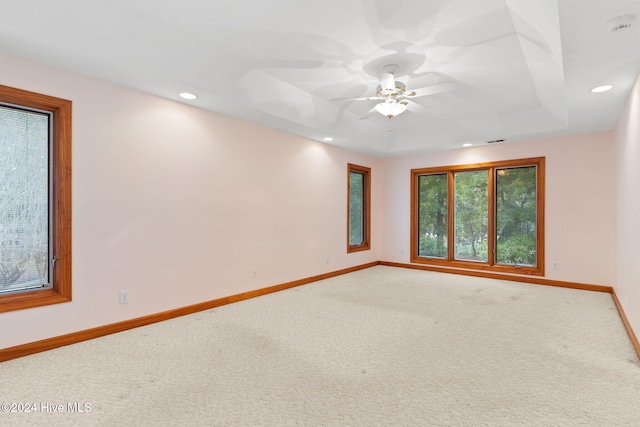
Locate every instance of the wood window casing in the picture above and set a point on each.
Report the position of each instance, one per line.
(366, 204)
(491, 264)
(60, 209)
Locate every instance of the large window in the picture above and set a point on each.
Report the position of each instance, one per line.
(35, 199)
(358, 208)
(488, 216)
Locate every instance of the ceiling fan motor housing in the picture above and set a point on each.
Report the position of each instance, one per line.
(389, 93)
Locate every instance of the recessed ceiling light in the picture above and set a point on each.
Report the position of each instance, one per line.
(328, 138)
(468, 144)
(187, 95)
(603, 88)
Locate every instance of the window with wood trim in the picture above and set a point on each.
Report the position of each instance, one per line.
(486, 216)
(358, 208)
(35, 199)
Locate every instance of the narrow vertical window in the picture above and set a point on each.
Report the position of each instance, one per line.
(358, 208)
(35, 199)
(24, 199)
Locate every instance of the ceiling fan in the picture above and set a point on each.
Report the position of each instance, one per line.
(394, 97)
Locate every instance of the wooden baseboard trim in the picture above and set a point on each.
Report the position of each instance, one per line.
(76, 337)
(488, 275)
(100, 331)
(627, 325)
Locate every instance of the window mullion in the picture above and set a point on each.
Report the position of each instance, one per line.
(491, 238)
(451, 217)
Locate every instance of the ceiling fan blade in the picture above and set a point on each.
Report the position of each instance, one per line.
(414, 107)
(387, 82)
(430, 90)
(368, 113)
(369, 98)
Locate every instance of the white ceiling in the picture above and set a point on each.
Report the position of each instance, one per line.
(523, 68)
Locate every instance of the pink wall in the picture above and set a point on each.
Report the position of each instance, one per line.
(580, 201)
(177, 205)
(627, 137)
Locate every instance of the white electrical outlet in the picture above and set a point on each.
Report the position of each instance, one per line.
(254, 274)
(555, 265)
(326, 260)
(124, 297)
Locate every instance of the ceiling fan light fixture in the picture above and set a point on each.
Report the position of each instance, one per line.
(391, 109)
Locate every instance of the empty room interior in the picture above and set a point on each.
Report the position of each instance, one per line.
(290, 175)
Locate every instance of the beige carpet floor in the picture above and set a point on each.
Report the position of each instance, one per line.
(379, 347)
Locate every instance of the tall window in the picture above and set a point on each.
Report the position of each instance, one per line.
(471, 215)
(432, 208)
(358, 208)
(488, 216)
(35, 199)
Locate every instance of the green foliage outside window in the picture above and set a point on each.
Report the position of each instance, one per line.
(513, 238)
(471, 215)
(516, 216)
(356, 208)
(432, 212)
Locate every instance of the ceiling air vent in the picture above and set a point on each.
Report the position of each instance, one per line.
(620, 23)
(495, 140)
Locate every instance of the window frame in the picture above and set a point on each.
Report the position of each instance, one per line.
(450, 261)
(366, 203)
(60, 209)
